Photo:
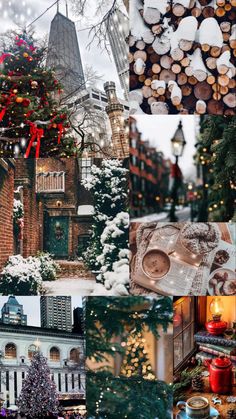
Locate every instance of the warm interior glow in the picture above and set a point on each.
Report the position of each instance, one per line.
(216, 306)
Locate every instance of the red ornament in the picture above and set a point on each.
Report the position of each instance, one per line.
(26, 102)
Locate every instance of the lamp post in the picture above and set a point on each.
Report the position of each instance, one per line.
(177, 145)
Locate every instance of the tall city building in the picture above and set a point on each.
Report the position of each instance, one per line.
(13, 313)
(56, 312)
(78, 320)
(118, 31)
(115, 112)
(64, 54)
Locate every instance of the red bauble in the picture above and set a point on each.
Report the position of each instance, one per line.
(25, 102)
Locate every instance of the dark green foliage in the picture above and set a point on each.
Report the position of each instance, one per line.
(130, 398)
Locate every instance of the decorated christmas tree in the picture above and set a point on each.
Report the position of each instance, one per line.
(112, 324)
(38, 396)
(108, 185)
(32, 123)
(136, 361)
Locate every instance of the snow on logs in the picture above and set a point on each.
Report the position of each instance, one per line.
(182, 56)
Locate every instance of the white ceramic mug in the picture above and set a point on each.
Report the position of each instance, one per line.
(196, 407)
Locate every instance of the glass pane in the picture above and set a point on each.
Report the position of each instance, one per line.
(178, 350)
(188, 341)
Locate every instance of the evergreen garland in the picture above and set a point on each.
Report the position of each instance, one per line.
(217, 150)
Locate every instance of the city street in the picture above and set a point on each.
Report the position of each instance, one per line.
(182, 214)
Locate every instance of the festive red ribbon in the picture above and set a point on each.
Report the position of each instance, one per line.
(61, 131)
(4, 56)
(8, 101)
(36, 133)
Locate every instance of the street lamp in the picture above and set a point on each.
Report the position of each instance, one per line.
(177, 145)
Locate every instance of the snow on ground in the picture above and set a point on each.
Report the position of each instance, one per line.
(183, 215)
(75, 286)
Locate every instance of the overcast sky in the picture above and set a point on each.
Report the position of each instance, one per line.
(32, 307)
(159, 129)
(21, 11)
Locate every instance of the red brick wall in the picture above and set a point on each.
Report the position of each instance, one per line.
(25, 176)
(6, 213)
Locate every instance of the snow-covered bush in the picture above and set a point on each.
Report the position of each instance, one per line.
(21, 276)
(114, 259)
(108, 184)
(18, 213)
(48, 267)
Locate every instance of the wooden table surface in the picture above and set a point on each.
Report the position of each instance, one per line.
(222, 409)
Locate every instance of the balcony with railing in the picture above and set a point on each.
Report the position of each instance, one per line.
(50, 182)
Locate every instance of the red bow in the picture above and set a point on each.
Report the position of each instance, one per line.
(8, 101)
(4, 56)
(36, 133)
(61, 132)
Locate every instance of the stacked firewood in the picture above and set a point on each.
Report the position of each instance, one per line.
(182, 56)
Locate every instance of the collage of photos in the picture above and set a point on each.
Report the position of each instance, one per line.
(118, 209)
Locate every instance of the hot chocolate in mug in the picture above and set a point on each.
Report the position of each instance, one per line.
(196, 407)
(155, 263)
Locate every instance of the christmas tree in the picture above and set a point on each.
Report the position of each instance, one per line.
(108, 185)
(112, 324)
(136, 360)
(38, 396)
(32, 123)
(216, 152)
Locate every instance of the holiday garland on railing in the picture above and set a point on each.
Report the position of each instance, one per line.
(30, 114)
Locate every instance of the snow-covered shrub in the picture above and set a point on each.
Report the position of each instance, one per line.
(18, 213)
(48, 267)
(108, 184)
(21, 276)
(114, 259)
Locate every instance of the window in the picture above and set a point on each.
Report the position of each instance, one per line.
(86, 168)
(54, 354)
(74, 355)
(10, 351)
(31, 351)
(184, 329)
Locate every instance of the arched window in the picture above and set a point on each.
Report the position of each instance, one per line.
(74, 355)
(31, 351)
(54, 354)
(10, 351)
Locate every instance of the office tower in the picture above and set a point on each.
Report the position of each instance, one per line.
(56, 313)
(13, 313)
(118, 31)
(78, 320)
(64, 54)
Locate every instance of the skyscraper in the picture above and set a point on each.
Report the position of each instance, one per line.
(12, 312)
(56, 313)
(78, 320)
(118, 31)
(64, 54)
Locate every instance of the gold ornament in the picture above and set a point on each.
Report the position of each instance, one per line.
(19, 99)
(25, 55)
(34, 84)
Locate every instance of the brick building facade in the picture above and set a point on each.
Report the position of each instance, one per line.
(57, 208)
(149, 175)
(6, 209)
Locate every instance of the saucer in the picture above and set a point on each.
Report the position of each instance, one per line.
(182, 414)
